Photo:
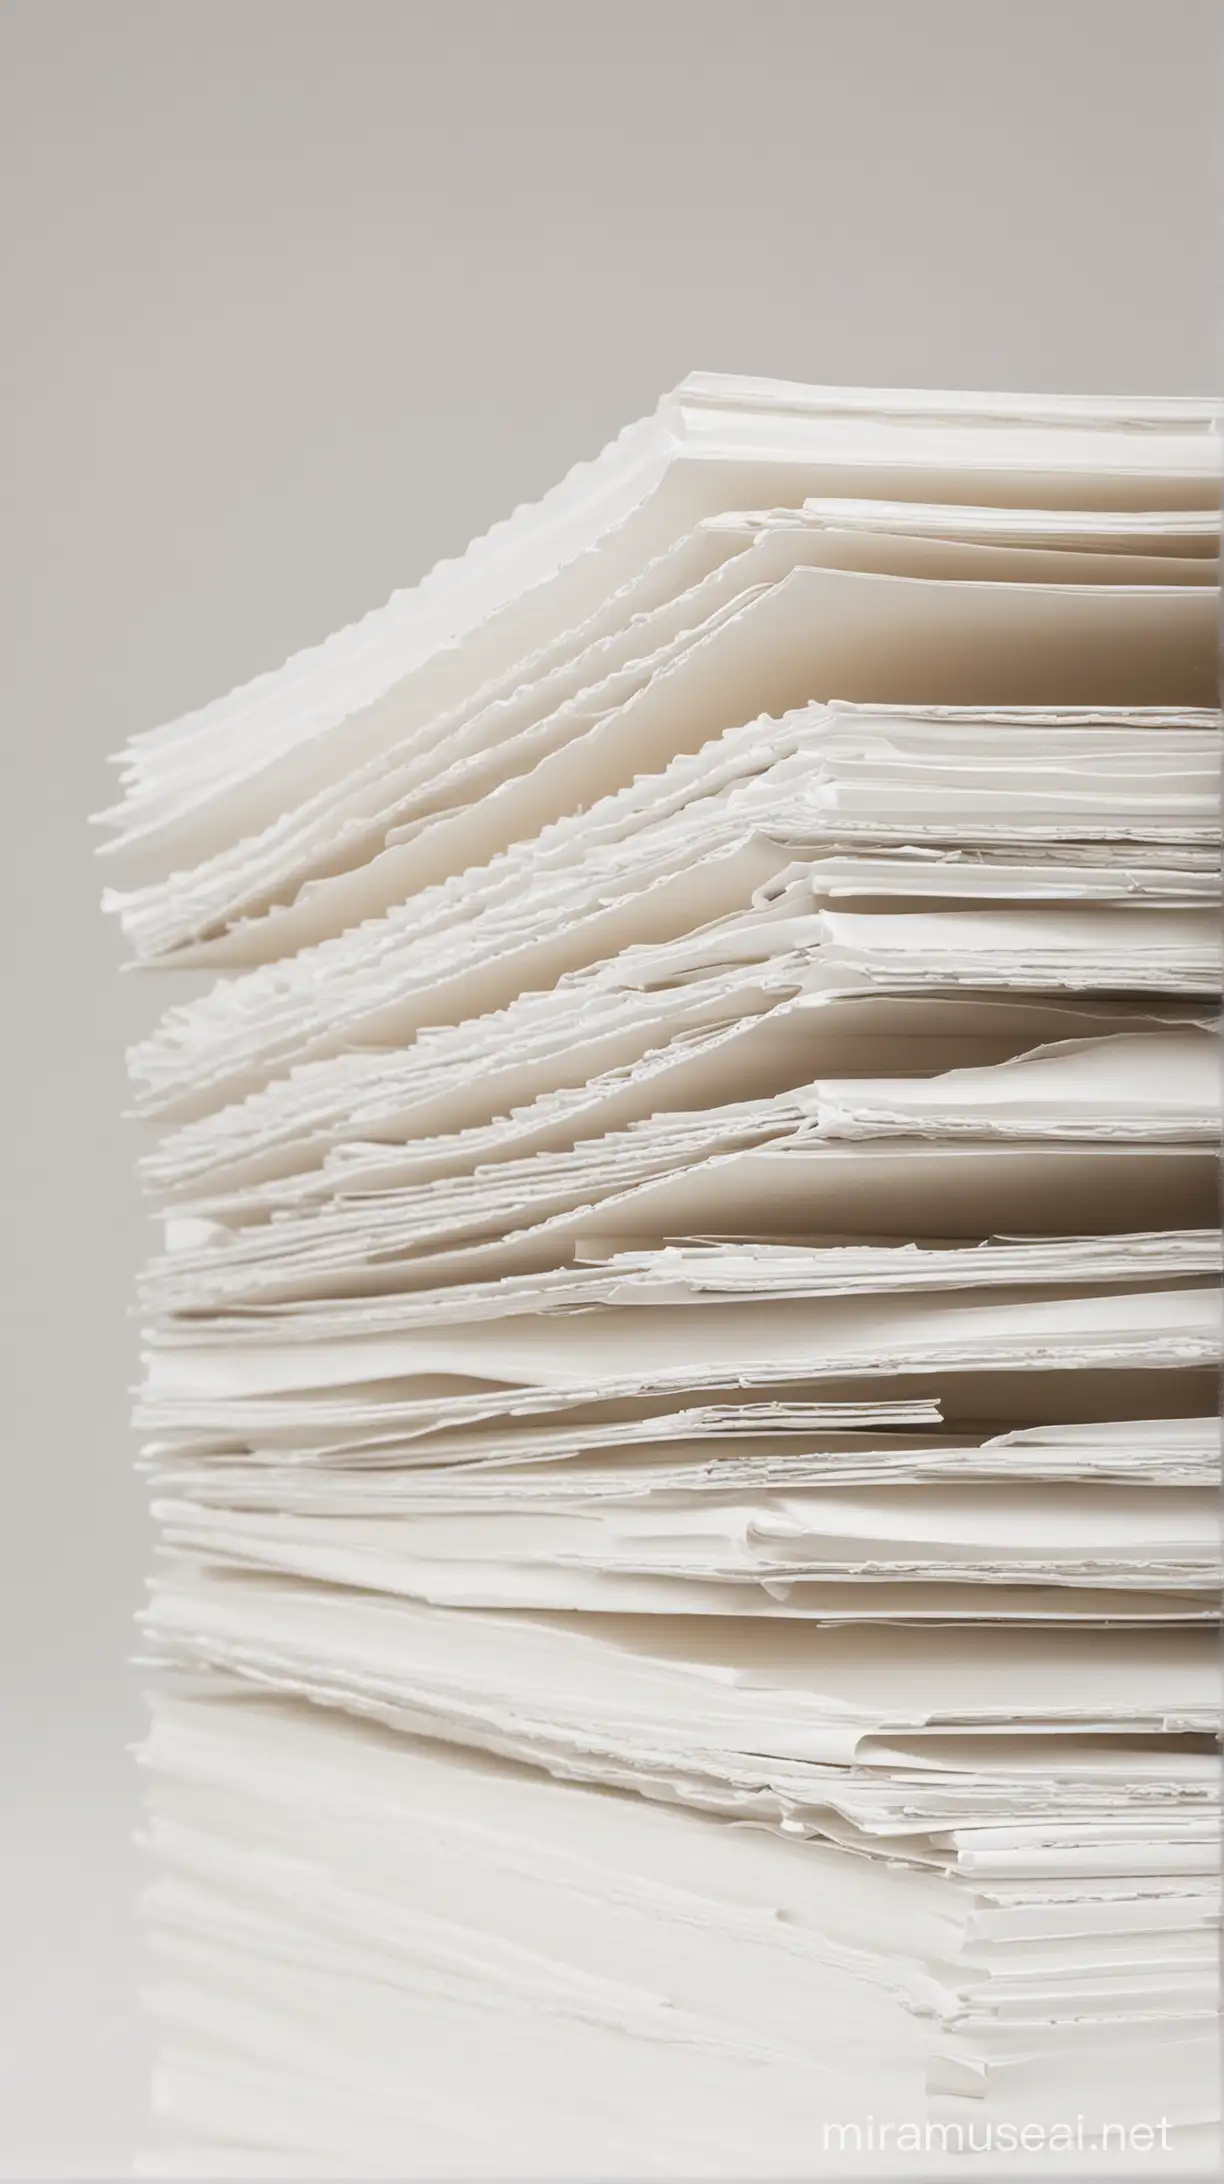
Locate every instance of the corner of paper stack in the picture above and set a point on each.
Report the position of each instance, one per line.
(680, 1365)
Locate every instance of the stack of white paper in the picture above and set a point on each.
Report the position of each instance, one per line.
(680, 1376)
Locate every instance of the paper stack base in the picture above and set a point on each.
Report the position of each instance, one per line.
(384, 1924)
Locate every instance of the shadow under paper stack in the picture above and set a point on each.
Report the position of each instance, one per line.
(680, 1385)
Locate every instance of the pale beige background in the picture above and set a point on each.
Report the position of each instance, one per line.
(299, 296)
